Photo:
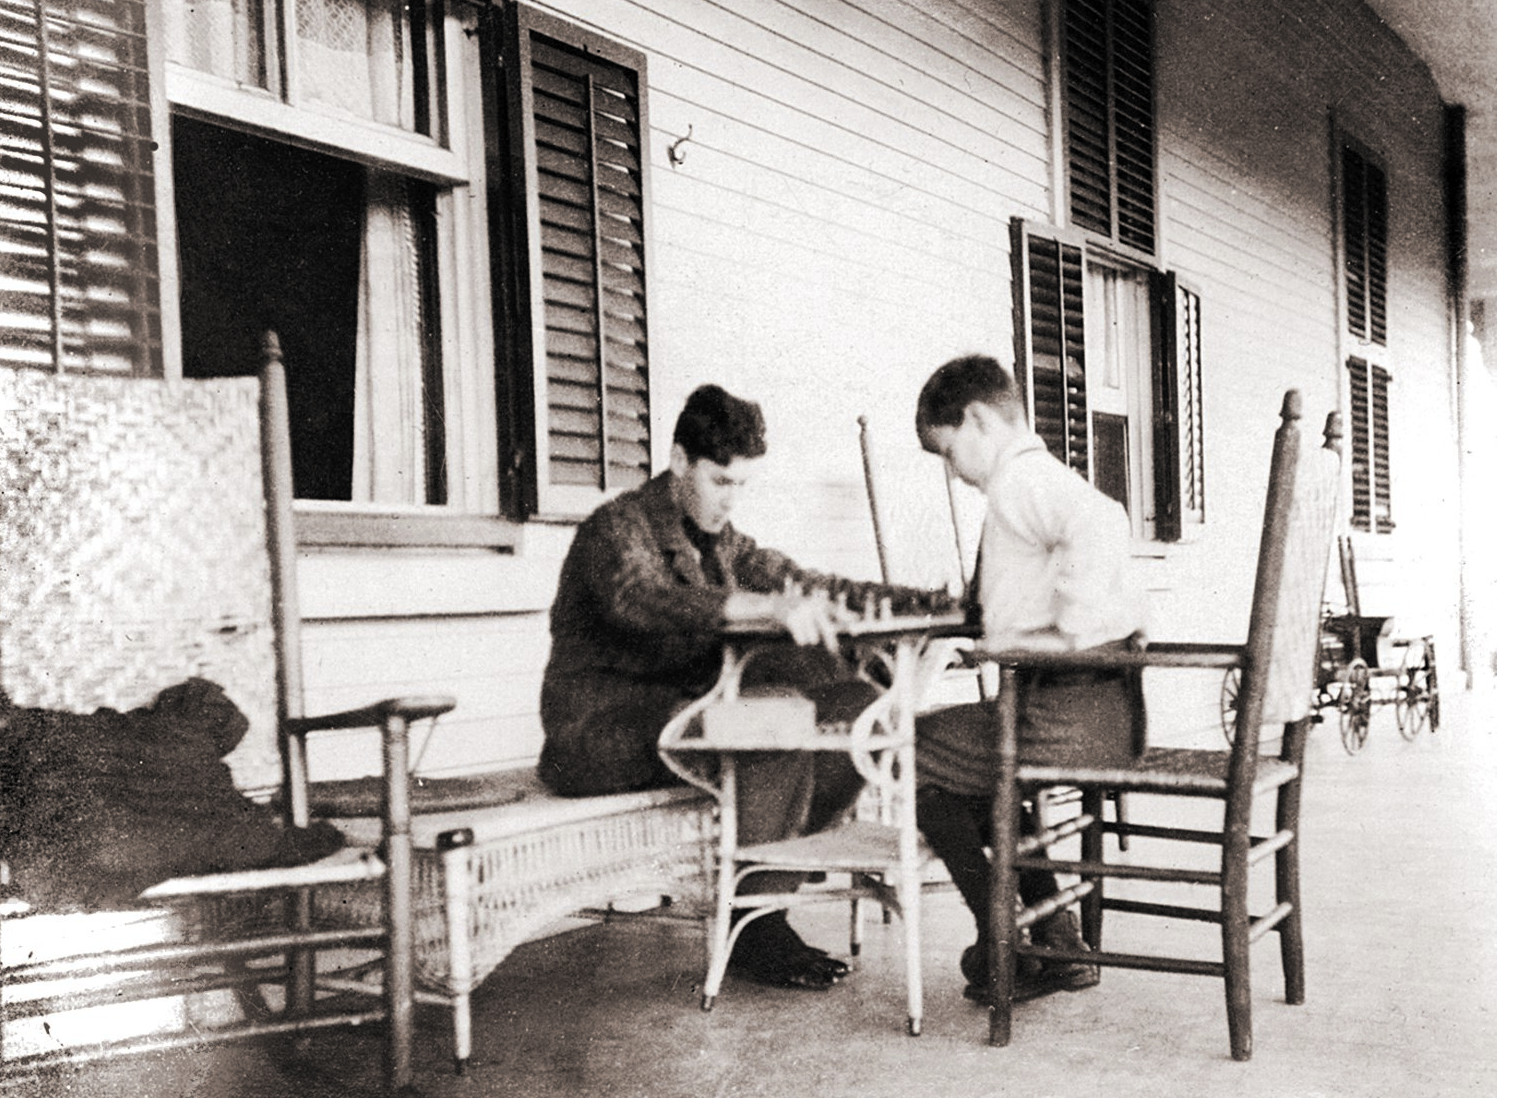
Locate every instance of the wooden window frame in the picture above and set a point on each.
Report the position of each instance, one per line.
(450, 159)
(1050, 363)
(525, 383)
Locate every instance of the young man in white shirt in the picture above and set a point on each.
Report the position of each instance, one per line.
(1051, 574)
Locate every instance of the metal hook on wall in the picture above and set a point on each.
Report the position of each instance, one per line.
(677, 156)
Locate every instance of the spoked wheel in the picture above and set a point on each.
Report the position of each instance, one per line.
(1228, 700)
(1354, 706)
(1412, 692)
(1432, 680)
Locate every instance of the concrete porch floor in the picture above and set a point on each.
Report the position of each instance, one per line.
(1401, 906)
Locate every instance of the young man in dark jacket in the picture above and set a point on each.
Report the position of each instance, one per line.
(648, 582)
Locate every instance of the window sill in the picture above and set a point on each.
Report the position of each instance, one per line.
(321, 528)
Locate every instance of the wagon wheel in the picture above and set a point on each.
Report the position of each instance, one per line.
(1412, 691)
(1354, 706)
(1228, 701)
(1432, 681)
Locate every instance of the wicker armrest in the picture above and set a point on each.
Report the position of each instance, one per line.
(410, 709)
(1159, 654)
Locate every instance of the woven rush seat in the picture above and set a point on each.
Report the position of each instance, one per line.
(1185, 771)
(862, 846)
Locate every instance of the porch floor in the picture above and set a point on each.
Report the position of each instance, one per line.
(1402, 1000)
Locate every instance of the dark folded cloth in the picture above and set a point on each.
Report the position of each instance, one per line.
(96, 807)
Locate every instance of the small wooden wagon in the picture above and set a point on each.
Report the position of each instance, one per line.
(1361, 664)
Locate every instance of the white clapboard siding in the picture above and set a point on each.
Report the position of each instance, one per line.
(1248, 95)
(492, 665)
(839, 227)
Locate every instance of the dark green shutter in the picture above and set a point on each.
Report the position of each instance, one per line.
(1189, 376)
(590, 208)
(1370, 447)
(1176, 367)
(1109, 109)
(78, 237)
(1380, 421)
(1365, 233)
(1049, 329)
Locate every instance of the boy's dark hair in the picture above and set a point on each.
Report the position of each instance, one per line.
(970, 378)
(715, 425)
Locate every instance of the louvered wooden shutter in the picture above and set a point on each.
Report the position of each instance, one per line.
(78, 238)
(1176, 367)
(1109, 104)
(1380, 423)
(1365, 216)
(1049, 324)
(1189, 374)
(1370, 447)
(587, 143)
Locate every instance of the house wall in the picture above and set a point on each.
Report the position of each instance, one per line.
(838, 228)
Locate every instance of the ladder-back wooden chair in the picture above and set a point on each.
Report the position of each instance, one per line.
(1277, 665)
(146, 537)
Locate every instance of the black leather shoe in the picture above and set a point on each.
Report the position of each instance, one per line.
(784, 972)
(770, 952)
(1033, 979)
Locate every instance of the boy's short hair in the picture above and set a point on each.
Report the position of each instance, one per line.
(715, 425)
(970, 378)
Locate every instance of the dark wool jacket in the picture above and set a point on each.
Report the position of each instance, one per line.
(634, 629)
(96, 807)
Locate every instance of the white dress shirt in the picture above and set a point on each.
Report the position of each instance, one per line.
(1054, 556)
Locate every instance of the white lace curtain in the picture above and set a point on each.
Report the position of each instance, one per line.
(354, 55)
(351, 55)
(389, 453)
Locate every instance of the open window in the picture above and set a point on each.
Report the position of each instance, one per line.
(1109, 353)
(327, 158)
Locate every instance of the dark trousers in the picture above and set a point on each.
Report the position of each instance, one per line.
(958, 829)
(1086, 719)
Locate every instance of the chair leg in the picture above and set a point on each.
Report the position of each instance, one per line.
(1293, 966)
(1120, 808)
(1287, 868)
(1235, 910)
(453, 853)
(1093, 847)
(300, 985)
(909, 891)
(720, 932)
(400, 956)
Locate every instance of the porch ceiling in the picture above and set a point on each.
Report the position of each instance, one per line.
(1458, 40)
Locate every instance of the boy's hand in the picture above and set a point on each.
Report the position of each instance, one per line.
(808, 617)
